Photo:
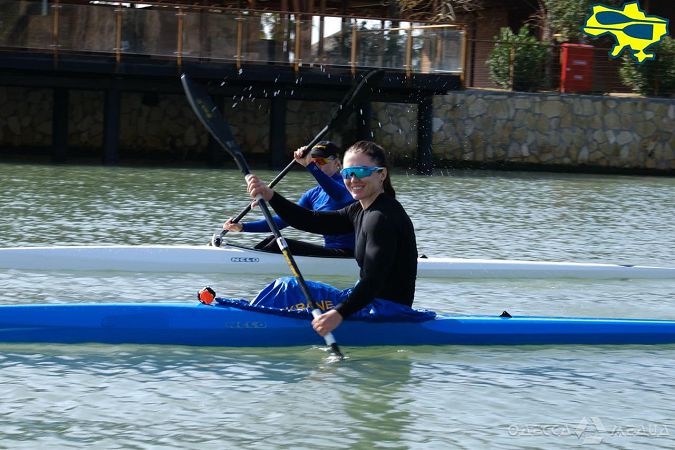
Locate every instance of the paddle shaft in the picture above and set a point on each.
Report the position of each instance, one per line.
(279, 177)
(342, 111)
(210, 117)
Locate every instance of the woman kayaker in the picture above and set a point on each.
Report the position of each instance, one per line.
(331, 194)
(385, 251)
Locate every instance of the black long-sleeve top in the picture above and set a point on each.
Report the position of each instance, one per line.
(386, 250)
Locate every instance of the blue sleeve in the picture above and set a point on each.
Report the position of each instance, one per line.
(334, 188)
(261, 226)
(319, 222)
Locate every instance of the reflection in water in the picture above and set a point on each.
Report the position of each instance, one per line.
(374, 398)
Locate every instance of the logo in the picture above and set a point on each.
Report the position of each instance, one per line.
(630, 27)
(247, 324)
(244, 259)
(591, 430)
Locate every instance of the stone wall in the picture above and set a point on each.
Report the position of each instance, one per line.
(555, 129)
(469, 127)
(154, 126)
(25, 117)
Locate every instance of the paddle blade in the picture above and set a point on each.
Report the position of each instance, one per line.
(213, 121)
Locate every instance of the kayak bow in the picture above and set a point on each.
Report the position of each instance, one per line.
(217, 325)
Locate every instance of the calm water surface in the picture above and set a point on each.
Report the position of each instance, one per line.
(54, 396)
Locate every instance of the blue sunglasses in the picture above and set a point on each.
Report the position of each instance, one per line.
(359, 171)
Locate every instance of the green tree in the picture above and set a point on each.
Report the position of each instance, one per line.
(564, 18)
(517, 61)
(654, 77)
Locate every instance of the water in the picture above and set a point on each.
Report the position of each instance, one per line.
(56, 396)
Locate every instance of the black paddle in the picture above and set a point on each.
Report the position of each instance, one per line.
(339, 114)
(208, 114)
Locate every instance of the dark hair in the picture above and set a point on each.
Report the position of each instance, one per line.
(377, 154)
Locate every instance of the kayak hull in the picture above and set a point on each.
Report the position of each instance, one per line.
(201, 325)
(242, 260)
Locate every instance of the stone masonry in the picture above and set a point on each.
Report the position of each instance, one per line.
(471, 126)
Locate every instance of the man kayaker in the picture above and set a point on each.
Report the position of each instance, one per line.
(386, 249)
(331, 194)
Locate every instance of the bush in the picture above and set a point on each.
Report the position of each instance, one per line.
(654, 77)
(517, 61)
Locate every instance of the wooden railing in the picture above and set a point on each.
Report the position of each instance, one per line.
(242, 37)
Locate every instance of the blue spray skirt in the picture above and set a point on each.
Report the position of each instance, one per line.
(228, 326)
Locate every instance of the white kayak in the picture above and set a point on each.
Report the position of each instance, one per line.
(242, 260)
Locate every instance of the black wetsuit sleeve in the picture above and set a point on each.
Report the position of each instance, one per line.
(380, 254)
(319, 222)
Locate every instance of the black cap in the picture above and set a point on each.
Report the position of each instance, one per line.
(325, 149)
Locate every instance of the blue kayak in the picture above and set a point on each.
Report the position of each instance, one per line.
(218, 325)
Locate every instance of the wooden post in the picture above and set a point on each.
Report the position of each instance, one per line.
(298, 42)
(118, 35)
(465, 58)
(55, 32)
(408, 52)
(285, 32)
(322, 30)
(354, 55)
(240, 36)
(179, 43)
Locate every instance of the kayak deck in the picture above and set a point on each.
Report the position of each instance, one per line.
(201, 325)
(242, 260)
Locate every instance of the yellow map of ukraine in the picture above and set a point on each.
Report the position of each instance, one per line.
(630, 26)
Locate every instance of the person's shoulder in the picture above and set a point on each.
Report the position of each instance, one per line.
(389, 208)
(394, 202)
(353, 208)
(356, 206)
(385, 201)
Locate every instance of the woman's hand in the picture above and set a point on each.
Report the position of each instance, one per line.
(256, 188)
(303, 161)
(232, 226)
(327, 322)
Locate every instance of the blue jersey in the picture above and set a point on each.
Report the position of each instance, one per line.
(330, 195)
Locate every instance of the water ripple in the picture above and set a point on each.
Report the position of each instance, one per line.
(132, 397)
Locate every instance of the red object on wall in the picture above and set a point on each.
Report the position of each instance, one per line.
(576, 61)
